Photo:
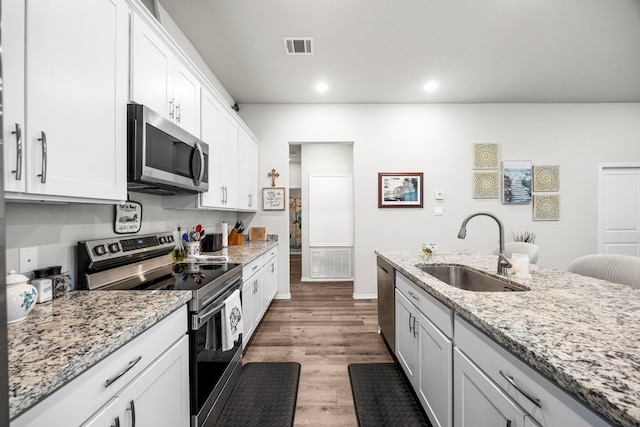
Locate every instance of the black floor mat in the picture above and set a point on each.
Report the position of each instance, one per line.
(265, 395)
(383, 397)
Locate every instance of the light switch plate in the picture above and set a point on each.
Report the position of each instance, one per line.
(439, 195)
(28, 259)
(438, 211)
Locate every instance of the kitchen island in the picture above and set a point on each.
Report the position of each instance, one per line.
(580, 333)
(63, 338)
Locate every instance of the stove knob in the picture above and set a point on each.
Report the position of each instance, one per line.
(113, 248)
(162, 240)
(100, 250)
(169, 239)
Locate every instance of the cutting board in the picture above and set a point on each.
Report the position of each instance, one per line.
(257, 233)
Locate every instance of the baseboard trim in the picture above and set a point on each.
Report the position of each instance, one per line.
(365, 296)
(283, 296)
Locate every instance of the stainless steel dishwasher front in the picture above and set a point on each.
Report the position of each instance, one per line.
(386, 303)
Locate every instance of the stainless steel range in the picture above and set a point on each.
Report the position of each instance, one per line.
(145, 263)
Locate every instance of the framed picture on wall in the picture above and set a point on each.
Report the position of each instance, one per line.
(273, 199)
(127, 217)
(516, 181)
(400, 189)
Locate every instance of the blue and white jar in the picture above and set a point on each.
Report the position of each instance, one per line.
(21, 297)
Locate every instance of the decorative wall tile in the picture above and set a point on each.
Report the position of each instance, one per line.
(486, 156)
(546, 178)
(546, 207)
(486, 185)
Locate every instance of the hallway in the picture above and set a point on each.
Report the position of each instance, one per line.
(324, 329)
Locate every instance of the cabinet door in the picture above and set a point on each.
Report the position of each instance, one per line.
(13, 95)
(186, 99)
(247, 312)
(257, 297)
(247, 171)
(76, 95)
(220, 131)
(478, 401)
(150, 69)
(435, 384)
(406, 337)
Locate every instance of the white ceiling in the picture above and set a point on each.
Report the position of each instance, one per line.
(384, 51)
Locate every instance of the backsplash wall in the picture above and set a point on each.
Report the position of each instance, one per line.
(55, 229)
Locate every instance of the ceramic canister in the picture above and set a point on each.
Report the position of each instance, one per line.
(21, 297)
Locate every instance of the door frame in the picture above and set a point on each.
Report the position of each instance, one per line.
(601, 169)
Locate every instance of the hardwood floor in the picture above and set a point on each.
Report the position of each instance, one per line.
(324, 329)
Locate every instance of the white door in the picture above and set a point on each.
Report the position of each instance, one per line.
(620, 210)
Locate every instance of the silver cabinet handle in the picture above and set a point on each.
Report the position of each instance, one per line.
(511, 381)
(178, 115)
(414, 296)
(222, 200)
(171, 108)
(18, 134)
(255, 266)
(198, 180)
(116, 422)
(250, 200)
(115, 378)
(415, 330)
(410, 324)
(43, 175)
(132, 408)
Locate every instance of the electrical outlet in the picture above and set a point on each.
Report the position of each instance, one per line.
(438, 211)
(28, 259)
(439, 195)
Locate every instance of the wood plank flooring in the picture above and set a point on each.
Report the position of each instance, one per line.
(324, 329)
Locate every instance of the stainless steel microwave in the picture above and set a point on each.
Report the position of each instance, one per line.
(163, 158)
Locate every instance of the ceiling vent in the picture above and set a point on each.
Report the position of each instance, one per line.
(298, 45)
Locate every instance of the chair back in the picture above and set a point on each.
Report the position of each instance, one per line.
(527, 248)
(613, 268)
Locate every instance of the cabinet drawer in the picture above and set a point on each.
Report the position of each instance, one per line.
(252, 268)
(434, 310)
(86, 394)
(557, 408)
(271, 253)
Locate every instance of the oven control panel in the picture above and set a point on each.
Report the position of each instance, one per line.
(116, 247)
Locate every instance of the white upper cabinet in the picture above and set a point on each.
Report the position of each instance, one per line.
(247, 172)
(160, 80)
(73, 120)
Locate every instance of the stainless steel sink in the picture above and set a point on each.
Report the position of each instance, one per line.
(469, 280)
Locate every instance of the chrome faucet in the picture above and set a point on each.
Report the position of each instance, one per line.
(503, 261)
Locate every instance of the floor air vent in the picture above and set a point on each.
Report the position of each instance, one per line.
(330, 263)
(298, 45)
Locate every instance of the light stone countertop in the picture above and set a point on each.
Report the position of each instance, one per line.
(61, 339)
(246, 252)
(581, 333)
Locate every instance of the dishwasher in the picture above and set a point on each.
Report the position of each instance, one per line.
(386, 303)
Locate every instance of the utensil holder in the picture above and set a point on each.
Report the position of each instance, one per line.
(235, 238)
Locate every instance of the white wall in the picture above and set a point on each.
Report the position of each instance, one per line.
(438, 140)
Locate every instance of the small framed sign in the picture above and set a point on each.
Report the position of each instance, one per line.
(128, 217)
(400, 189)
(273, 198)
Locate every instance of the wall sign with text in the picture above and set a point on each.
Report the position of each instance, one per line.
(273, 198)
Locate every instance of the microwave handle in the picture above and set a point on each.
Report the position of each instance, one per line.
(198, 180)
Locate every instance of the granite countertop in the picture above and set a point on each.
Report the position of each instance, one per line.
(246, 252)
(579, 332)
(61, 339)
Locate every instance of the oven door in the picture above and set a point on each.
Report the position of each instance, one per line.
(213, 372)
(162, 153)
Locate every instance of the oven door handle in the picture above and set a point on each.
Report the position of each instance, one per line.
(197, 320)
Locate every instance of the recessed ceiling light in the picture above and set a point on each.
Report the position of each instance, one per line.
(322, 87)
(431, 86)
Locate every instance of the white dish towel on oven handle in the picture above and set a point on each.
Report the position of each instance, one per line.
(232, 315)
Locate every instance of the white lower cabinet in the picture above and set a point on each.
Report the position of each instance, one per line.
(541, 401)
(424, 351)
(153, 397)
(479, 402)
(260, 278)
(147, 378)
